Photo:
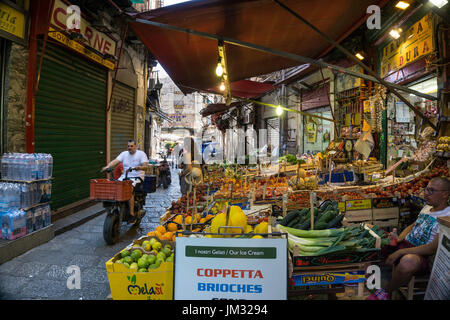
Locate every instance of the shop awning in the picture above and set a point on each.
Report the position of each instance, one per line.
(214, 108)
(246, 89)
(190, 60)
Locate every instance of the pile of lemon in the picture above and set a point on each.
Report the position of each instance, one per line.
(237, 223)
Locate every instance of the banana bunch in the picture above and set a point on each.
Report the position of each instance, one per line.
(218, 207)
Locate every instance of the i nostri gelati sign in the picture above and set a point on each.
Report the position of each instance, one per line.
(218, 268)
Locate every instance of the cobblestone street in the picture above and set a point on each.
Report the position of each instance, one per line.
(40, 273)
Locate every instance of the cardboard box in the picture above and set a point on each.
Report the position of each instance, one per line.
(126, 284)
(336, 258)
(129, 285)
(328, 278)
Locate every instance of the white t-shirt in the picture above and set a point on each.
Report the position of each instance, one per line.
(131, 161)
(426, 226)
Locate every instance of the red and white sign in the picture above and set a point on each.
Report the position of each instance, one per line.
(97, 40)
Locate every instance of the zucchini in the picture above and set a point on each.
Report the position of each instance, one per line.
(320, 226)
(335, 221)
(293, 222)
(327, 216)
(306, 225)
(289, 217)
(304, 211)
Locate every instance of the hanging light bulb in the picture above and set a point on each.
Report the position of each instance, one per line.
(222, 87)
(395, 33)
(439, 3)
(279, 110)
(219, 68)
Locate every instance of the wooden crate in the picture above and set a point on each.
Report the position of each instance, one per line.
(358, 215)
(288, 168)
(308, 166)
(385, 213)
(368, 168)
(347, 224)
(385, 223)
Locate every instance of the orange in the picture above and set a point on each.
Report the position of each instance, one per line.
(203, 220)
(161, 229)
(173, 237)
(188, 220)
(168, 235)
(198, 216)
(151, 234)
(158, 234)
(172, 226)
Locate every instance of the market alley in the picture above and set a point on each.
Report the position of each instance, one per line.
(41, 272)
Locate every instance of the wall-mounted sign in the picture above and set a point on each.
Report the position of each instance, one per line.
(12, 22)
(213, 268)
(181, 120)
(413, 44)
(100, 42)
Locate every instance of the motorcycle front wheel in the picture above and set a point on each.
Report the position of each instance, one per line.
(111, 228)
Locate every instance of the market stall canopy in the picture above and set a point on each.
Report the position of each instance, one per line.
(214, 108)
(190, 60)
(246, 89)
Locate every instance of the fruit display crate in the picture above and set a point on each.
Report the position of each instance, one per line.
(128, 284)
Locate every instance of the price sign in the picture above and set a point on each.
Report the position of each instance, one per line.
(213, 268)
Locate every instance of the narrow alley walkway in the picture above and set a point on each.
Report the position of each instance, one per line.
(41, 272)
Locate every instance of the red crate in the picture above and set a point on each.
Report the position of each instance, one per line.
(104, 189)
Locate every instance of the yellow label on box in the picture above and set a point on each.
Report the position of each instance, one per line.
(360, 204)
(341, 206)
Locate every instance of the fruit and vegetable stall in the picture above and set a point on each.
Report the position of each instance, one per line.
(330, 234)
(301, 224)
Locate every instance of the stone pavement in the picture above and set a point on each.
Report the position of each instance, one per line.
(40, 273)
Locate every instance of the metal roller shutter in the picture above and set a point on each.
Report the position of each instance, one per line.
(70, 122)
(122, 118)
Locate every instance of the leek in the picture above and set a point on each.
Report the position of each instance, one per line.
(312, 233)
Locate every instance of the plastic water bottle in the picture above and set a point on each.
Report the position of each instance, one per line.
(25, 175)
(11, 165)
(2, 198)
(21, 167)
(47, 164)
(38, 218)
(14, 224)
(14, 198)
(5, 166)
(50, 166)
(47, 215)
(29, 214)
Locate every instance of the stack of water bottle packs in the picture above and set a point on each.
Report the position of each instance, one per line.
(25, 191)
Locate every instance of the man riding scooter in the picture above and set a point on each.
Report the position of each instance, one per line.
(133, 158)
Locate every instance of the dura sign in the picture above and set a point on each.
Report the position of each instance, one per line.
(218, 268)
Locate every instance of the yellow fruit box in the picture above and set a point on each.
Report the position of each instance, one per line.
(127, 284)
